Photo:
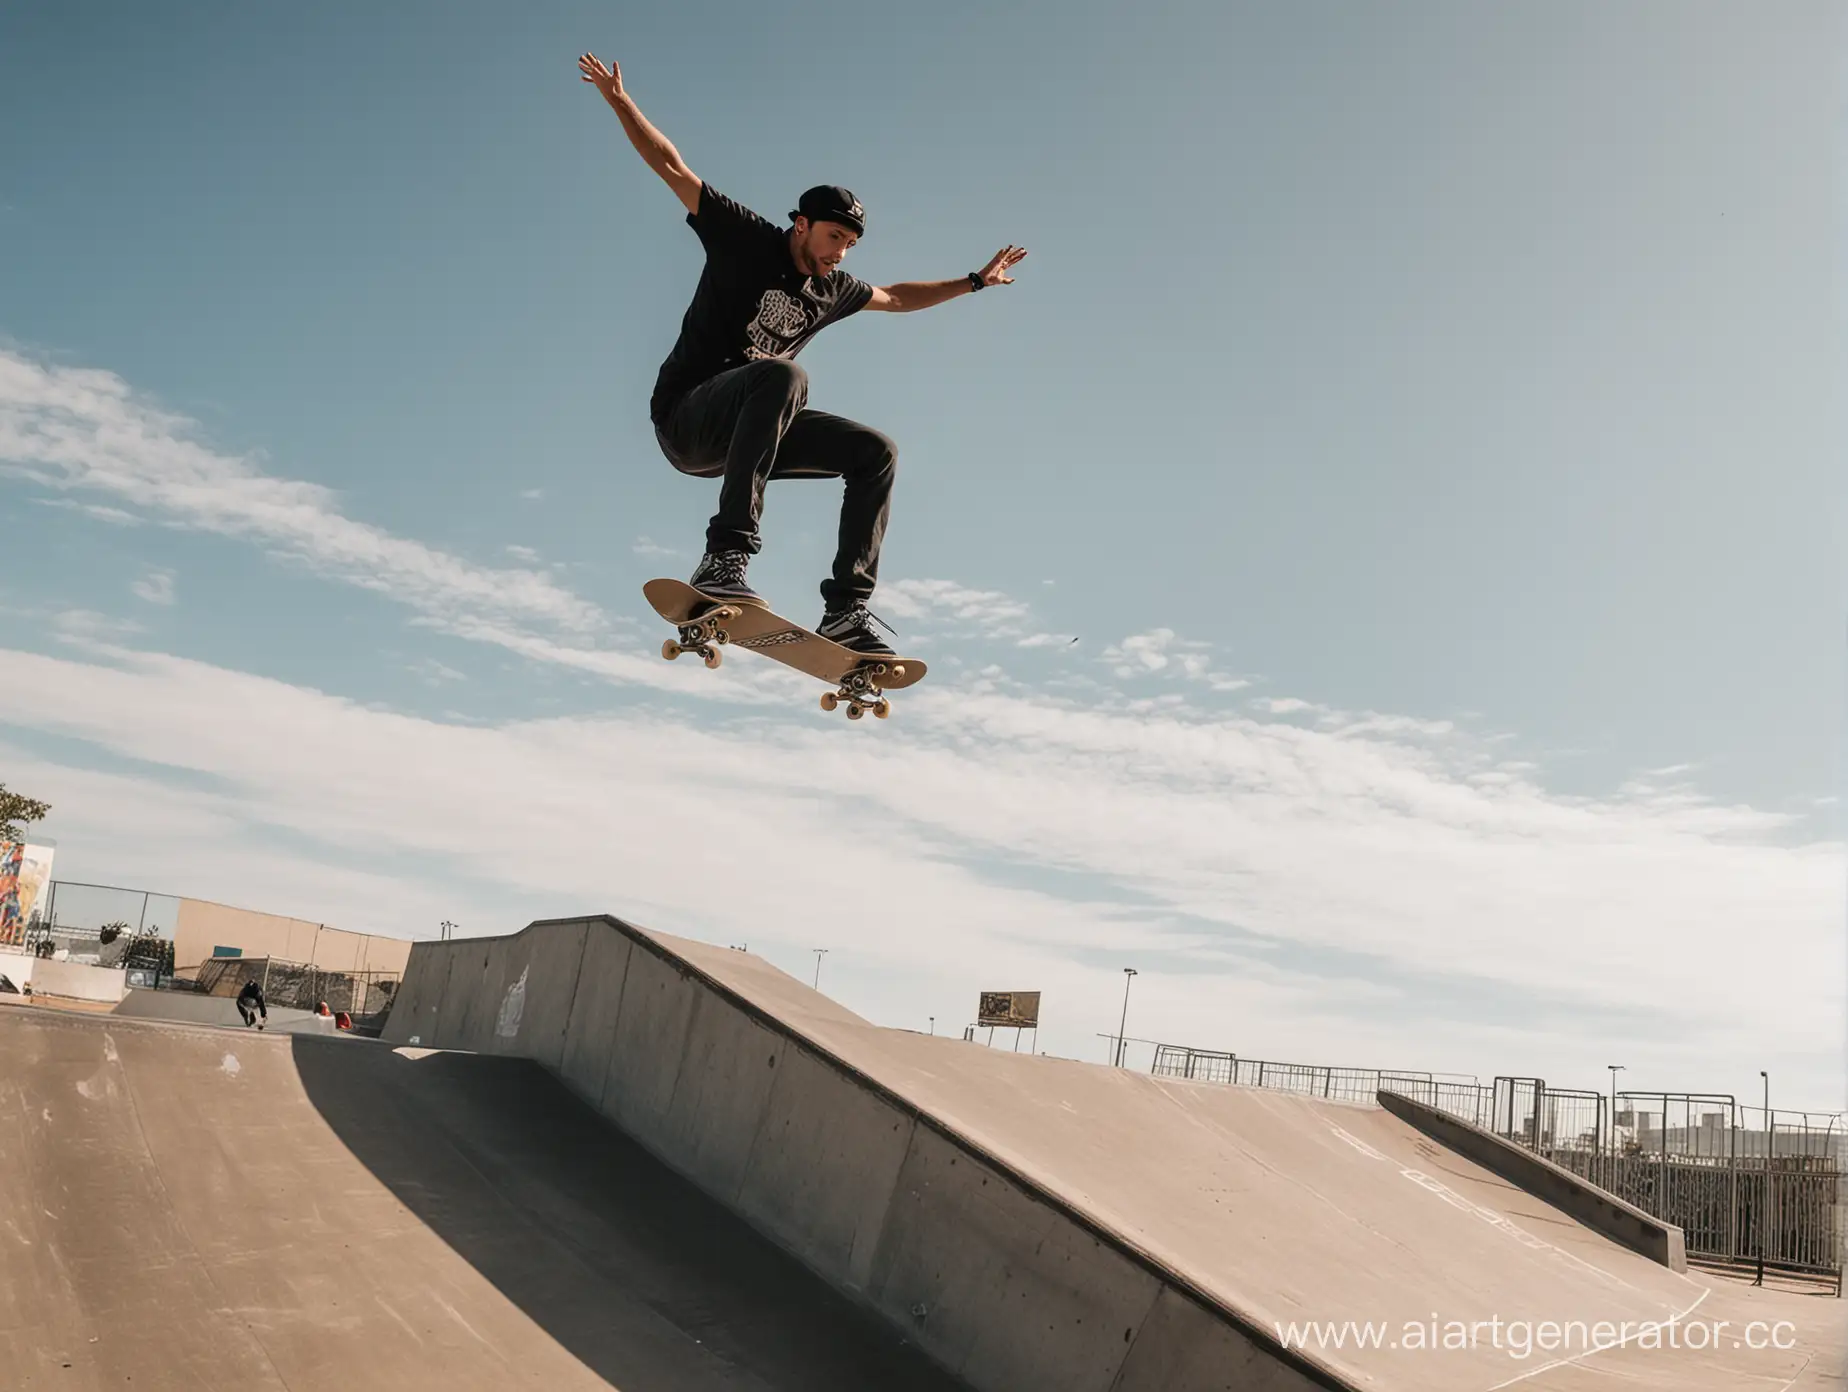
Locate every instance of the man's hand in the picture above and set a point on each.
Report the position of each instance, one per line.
(911, 295)
(996, 271)
(606, 80)
(656, 150)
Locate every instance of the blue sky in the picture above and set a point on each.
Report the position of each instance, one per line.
(1426, 417)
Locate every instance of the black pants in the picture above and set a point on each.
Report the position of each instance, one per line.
(750, 425)
(250, 1015)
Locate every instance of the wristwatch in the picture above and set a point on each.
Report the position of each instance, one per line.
(975, 281)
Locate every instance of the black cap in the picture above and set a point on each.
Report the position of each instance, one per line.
(832, 203)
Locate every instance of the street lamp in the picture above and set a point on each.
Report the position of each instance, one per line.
(1128, 973)
(1617, 1068)
(820, 952)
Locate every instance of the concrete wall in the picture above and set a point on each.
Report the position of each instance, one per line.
(1596, 1208)
(17, 967)
(969, 1261)
(202, 926)
(73, 981)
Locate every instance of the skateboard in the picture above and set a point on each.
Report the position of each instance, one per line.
(707, 625)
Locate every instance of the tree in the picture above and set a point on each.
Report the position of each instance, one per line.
(16, 813)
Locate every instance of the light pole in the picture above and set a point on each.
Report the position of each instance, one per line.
(1615, 1068)
(820, 952)
(1128, 974)
(933, 1024)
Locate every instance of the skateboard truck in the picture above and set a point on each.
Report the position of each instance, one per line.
(860, 689)
(701, 634)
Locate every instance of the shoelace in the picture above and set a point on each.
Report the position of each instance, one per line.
(858, 614)
(728, 567)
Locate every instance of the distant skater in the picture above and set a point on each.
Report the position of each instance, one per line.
(730, 402)
(250, 1004)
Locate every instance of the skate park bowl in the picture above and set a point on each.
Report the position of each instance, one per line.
(592, 1155)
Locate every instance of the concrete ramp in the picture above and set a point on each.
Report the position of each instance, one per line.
(187, 1007)
(1036, 1223)
(184, 1209)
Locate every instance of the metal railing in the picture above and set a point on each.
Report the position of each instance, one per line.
(1769, 1195)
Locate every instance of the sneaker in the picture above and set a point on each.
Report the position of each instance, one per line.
(721, 576)
(852, 628)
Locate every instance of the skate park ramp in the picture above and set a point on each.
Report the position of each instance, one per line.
(1041, 1223)
(186, 1007)
(198, 1208)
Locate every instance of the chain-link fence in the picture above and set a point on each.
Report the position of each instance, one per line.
(297, 986)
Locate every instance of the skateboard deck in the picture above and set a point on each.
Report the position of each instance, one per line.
(707, 626)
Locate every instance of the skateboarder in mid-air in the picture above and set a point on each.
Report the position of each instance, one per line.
(730, 401)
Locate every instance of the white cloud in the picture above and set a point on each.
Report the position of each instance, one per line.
(1163, 650)
(984, 611)
(83, 431)
(523, 554)
(945, 607)
(87, 628)
(644, 546)
(156, 587)
(1327, 883)
(435, 673)
(98, 512)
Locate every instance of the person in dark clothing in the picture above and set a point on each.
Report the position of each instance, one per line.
(250, 1004)
(730, 401)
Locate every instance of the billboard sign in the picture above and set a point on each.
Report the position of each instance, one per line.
(1013, 1009)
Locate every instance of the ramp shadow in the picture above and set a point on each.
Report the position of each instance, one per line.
(634, 1271)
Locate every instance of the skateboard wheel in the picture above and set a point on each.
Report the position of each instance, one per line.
(882, 708)
(855, 711)
(713, 657)
(670, 649)
(829, 700)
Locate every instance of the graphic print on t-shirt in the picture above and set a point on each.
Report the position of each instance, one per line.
(781, 319)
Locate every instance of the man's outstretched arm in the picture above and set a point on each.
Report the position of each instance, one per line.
(922, 294)
(654, 148)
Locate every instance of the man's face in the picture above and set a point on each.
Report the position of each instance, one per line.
(819, 247)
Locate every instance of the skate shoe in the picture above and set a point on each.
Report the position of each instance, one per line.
(721, 576)
(852, 628)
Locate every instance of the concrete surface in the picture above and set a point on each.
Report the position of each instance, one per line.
(184, 1208)
(1598, 1209)
(1042, 1223)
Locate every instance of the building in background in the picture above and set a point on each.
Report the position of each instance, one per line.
(203, 930)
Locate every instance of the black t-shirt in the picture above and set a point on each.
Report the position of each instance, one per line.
(751, 301)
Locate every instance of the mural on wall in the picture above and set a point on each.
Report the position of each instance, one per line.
(25, 870)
